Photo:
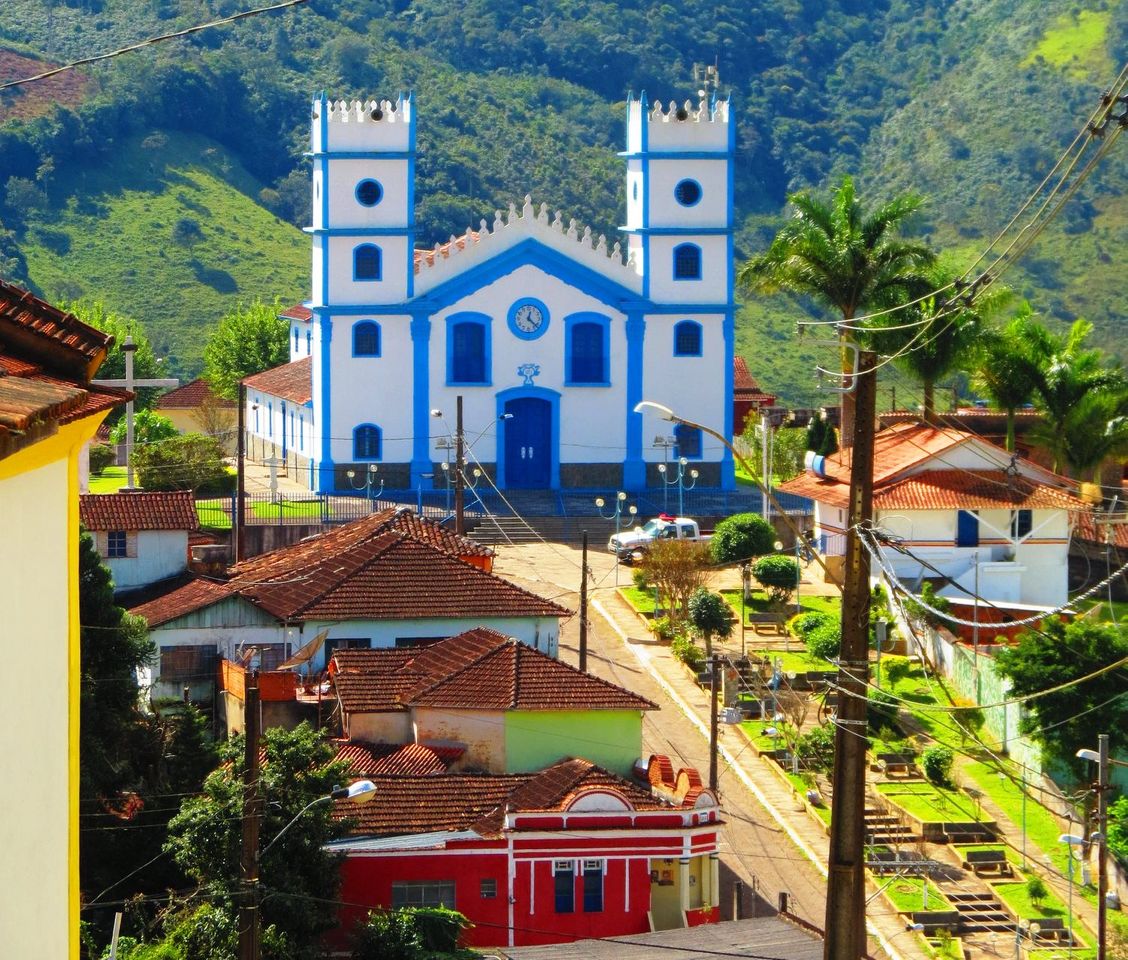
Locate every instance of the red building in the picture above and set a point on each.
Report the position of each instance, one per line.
(747, 397)
(567, 853)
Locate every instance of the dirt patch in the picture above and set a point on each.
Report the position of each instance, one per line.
(35, 99)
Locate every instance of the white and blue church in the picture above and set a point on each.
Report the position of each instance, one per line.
(551, 336)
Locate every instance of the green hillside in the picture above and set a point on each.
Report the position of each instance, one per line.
(969, 102)
(114, 237)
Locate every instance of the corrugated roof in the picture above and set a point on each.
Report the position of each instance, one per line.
(292, 381)
(171, 510)
(192, 396)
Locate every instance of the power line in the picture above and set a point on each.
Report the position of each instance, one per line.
(149, 42)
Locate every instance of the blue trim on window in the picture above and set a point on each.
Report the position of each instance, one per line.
(687, 261)
(543, 393)
(590, 365)
(270, 420)
(511, 318)
(644, 146)
(421, 398)
(368, 262)
(295, 330)
(285, 437)
(634, 466)
(366, 339)
(368, 442)
(688, 339)
(369, 192)
(689, 441)
(688, 192)
(301, 431)
(309, 343)
(462, 367)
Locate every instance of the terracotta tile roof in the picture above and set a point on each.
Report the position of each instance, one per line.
(744, 385)
(24, 402)
(1091, 530)
(447, 657)
(422, 804)
(194, 595)
(444, 249)
(972, 489)
(299, 311)
(370, 569)
(381, 759)
(172, 510)
(377, 692)
(44, 334)
(514, 676)
(291, 381)
(357, 660)
(191, 396)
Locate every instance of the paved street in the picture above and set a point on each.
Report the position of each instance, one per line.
(770, 853)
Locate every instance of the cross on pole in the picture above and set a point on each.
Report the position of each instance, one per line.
(128, 347)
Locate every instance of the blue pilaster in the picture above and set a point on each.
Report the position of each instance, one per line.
(634, 467)
(325, 480)
(420, 398)
(728, 473)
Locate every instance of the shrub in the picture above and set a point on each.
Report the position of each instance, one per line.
(710, 616)
(688, 652)
(438, 927)
(101, 456)
(188, 462)
(881, 714)
(928, 596)
(665, 628)
(805, 623)
(388, 935)
(815, 748)
(741, 537)
(778, 575)
(1036, 890)
(640, 579)
(936, 762)
(895, 669)
(825, 640)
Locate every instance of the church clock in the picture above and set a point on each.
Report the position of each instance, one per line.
(528, 318)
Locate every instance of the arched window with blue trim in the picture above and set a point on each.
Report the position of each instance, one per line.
(687, 261)
(366, 339)
(586, 349)
(367, 262)
(367, 441)
(309, 342)
(468, 349)
(687, 339)
(689, 441)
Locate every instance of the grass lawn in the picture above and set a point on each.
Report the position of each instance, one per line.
(641, 600)
(796, 660)
(289, 508)
(109, 480)
(907, 895)
(759, 604)
(755, 731)
(214, 513)
(1014, 895)
(930, 803)
(1117, 614)
(916, 689)
(963, 849)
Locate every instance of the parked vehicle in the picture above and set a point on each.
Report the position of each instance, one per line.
(631, 544)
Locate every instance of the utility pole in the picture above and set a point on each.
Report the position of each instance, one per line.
(765, 457)
(1102, 850)
(249, 921)
(845, 903)
(714, 682)
(459, 479)
(584, 606)
(893, 396)
(240, 475)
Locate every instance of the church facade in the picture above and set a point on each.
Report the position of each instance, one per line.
(551, 336)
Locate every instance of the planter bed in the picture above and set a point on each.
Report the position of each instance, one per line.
(907, 896)
(941, 815)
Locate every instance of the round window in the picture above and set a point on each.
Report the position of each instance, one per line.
(369, 192)
(687, 192)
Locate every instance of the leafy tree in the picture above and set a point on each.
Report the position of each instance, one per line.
(188, 461)
(788, 449)
(146, 366)
(740, 537)
(676, 568)
(186, 232)
(779, 575)
(936, 763)
(1062, 653)
(931, 339)
(1118, 829)
(825, 640)
(249, 340)
(1036, 890)
(1006, 369)
(1094, 430)
(101, 456)
(844, 257)
(24, 198)
(148, 427)
(815, 748)
(821, 437)
(710, 616)
(299, 878)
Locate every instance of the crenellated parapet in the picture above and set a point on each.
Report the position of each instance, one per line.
(376, 126)
(461, 253)
(687, 127)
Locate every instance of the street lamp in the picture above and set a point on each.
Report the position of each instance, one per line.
(369, 480)
(680, 481)
(422, 477)
(620, 503)
(1071, 840)
(446, 445)
(1101, 758)
(361, 791)
(666, 443)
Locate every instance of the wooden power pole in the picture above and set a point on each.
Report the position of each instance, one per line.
(249, 921)
(584, 606)
(845, 923)
(459, 478)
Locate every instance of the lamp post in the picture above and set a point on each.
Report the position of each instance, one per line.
(620, 503)
(1101, 758)
(447, 446)
(682, 463)
(419, 502)
(369, 480)
(1071, 840)
(666, 443)
(459, 445)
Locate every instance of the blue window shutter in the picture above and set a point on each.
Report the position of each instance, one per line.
(366, 262)
(366, 442)
(687, 262)
(689, 441)
(468, 357)
(366, 339)
(587, 354)
(687, 339)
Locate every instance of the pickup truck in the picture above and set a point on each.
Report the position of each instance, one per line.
(633, 543)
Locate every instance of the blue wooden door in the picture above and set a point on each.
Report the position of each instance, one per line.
(528, 444)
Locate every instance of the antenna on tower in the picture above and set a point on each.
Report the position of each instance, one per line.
(707, 78)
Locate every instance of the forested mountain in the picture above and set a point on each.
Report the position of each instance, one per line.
(142, 181)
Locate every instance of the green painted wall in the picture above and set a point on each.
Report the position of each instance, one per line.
(610, 738)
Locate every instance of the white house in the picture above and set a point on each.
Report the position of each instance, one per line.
(142, 537)
(550, 335)
(991, 523)
(388, 580)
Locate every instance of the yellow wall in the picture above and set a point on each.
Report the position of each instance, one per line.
(39, 708)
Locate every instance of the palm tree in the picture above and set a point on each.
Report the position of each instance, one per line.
(844, 257)
(1007, 368)
(930, 339)
(1084, 443)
